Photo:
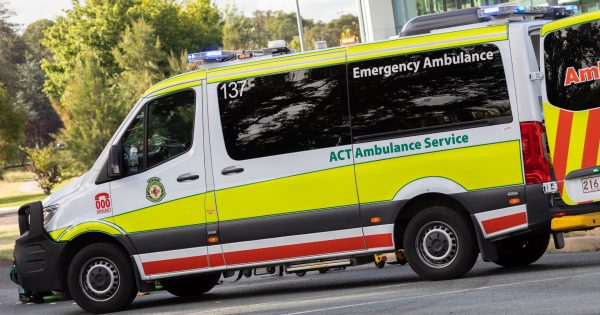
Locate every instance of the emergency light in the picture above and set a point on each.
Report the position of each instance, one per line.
(212, 55)
(544, 11)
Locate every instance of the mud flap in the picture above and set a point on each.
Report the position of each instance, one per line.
(486, 248)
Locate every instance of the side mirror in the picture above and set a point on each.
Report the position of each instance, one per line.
(114, 161)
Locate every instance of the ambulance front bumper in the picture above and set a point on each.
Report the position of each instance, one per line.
(37, 256)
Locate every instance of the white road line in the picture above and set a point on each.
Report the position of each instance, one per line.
(443, 293)
(268, 305)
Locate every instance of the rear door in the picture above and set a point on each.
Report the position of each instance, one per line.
(571, 95)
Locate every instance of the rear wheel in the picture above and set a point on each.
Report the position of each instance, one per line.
(439, 243)
(101, 278)
(191, 286)
(522, 250)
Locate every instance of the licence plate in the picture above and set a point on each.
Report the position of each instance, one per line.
(591, 184)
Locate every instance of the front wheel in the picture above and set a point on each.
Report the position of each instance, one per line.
(191, 286)
(101, 278)
(440, 243)
(522, 250)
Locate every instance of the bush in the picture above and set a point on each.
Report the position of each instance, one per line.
(45, 163)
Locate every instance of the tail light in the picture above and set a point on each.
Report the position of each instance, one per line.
(537, 168)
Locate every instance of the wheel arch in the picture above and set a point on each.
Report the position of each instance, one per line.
(420, 203)
(82, 240)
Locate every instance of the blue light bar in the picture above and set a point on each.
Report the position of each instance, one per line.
(521, 9)
(539, 11)
(572, 8)
(491, 10)
(194, 57)
(214, 54)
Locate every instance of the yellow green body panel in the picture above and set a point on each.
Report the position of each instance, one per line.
(318, 190)
(474, 168)
(176, 213)
(566, 22)
(86, 227)
(186, 79)
(56, 233)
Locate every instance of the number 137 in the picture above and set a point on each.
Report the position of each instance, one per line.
(233, 89)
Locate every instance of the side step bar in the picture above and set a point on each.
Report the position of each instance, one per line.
(319, 265)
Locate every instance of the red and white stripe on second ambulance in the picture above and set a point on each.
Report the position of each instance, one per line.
(502, 221)
(574, 139)
(280, 249)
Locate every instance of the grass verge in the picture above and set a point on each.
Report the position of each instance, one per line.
(14, 201)
(8, 235)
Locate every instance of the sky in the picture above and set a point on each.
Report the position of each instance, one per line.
(28, 11)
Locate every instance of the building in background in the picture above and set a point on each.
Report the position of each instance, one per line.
(385, 18)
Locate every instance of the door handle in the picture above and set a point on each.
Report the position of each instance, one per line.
(187, 177)
(232, 170)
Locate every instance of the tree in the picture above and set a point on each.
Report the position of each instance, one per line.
(42, 120)
(92, 114)
(241, 32)
(140, 55)
(12, 125)
(45, 163)
(97, 27)
(12, 50)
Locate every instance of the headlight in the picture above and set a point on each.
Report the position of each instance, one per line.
(49, 213)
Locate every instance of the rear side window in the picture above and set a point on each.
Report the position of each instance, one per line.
(430, 90)
(284, 113)
(572, 66)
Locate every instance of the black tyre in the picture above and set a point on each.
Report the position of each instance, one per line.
(192, 286)
(101, 278)
(522, 250)
(440, 243)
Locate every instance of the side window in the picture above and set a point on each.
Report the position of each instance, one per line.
(170, 127)
(572, 67)
(409, 93)
(284, 113)
(162, 130)
(132, 145)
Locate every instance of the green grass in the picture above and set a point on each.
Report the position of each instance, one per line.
(8, 235)
(18, 199)
(18, 175)
(14, 201)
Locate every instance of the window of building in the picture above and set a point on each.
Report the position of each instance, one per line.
(430, 90)
(284, 113)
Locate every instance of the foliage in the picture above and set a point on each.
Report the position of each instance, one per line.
(42, 120)
(45, 163)
(97, 27)
(140, 55)
(12, 48)
(242, 32)
(12, 125)
(91, 112)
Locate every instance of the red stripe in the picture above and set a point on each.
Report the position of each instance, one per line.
(216, 260)
(502, 223)
(268, 253)
(561, 148)
(177, 264)
(296, 250)
(592, 140)
(379, 240)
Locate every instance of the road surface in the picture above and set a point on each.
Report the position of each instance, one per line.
(557, 284)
